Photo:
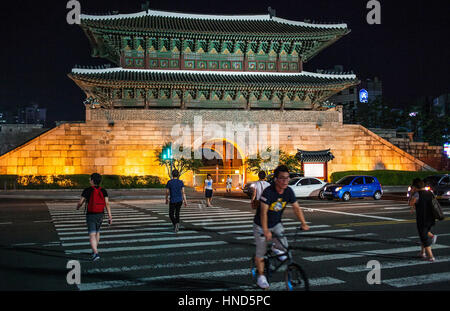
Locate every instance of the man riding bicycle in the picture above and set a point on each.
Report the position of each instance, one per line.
(273, 200)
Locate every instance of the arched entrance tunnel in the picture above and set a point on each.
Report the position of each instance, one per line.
(221, 158)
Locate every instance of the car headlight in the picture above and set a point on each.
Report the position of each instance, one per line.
(447, 193)
(409, 188)
(338, 188)
(427, 188)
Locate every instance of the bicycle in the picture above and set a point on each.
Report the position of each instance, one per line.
(295, 277)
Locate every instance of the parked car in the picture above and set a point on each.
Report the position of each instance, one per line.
(440, 185)
(354, 187)
(248, 188)
(304, 187)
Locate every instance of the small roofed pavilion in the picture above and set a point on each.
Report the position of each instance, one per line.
(315, 163)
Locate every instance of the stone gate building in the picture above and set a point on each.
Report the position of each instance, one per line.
(171, 68)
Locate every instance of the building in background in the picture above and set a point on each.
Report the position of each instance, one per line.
(350, 98)
(32, 115)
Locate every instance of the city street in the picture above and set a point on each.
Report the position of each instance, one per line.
(212, 251)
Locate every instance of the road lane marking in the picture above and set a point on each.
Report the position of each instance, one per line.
(236, 200)
(201, 275)
(151, 247)
(418, 280)
(81, 225)
(393, 264)
(147, 240)
(243, 226)
(105, 236)
(281, 286)
(225, 220)
(368, 253)
(293, 228)
(354, 214)
(375, 223)
(108, 231)
(146, 226)
(170, 265)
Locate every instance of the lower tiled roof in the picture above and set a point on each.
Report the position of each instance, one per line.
(266, 79)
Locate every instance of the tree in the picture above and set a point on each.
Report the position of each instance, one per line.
(182, 164)
(264, 162)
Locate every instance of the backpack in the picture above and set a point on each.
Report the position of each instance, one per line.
(437, 209)
(97, 201)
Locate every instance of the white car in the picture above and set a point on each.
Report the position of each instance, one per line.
(307, 187)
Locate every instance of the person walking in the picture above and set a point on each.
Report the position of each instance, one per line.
(421, 203)
(410, 196)
(274, 200)
(175, 189)
(258, 188)
(229, 183)
(208, 188)
(96, 199)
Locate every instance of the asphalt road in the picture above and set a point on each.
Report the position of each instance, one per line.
(212, 251)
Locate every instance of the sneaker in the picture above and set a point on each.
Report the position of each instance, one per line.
(431, 259)
(279, 252)
(262, 282)
(95, 257)
(177, 227)
(434, 239)
(422, 255)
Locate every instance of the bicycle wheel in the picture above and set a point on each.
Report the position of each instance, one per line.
(295, 278)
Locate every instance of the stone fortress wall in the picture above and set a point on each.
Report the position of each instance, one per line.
(123, 142)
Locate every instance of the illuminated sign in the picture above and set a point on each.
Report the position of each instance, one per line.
(447, 149)
(314, 169)
(363, 96)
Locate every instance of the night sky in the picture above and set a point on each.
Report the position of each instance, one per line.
(409, 51)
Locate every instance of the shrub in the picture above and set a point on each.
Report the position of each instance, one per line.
(77, 182)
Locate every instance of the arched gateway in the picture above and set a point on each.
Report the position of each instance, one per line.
(221, 158)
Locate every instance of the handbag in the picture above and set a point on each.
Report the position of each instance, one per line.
(437, 209)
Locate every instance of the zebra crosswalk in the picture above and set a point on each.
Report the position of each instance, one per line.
(213, 250)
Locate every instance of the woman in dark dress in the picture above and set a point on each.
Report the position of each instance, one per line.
(421, 202)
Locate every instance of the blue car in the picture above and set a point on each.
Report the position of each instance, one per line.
(354, 187)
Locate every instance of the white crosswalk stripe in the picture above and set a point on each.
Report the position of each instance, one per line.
(418, 280)
(368, 253)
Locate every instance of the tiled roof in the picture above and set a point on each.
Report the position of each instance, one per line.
(246, 79)
(197, 23)
(314, 156)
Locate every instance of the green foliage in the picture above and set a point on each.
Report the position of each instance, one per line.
(77, 182)
(263, 162)
(387, 177)
(182, 164)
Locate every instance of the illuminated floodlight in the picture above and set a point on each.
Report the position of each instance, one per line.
(447, 149)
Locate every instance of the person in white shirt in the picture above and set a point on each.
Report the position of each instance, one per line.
(258, 189)
(208, 188)
(229, 183)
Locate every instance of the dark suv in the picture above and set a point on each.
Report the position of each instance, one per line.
(440, 185)
(248, 188)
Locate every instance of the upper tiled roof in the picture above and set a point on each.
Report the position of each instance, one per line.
(153, 20)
